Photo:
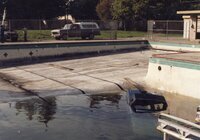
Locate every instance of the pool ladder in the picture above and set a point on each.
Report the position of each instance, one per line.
(178, 128)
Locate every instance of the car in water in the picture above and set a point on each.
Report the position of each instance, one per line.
(198, 115)
(144, 102)
(81, 29)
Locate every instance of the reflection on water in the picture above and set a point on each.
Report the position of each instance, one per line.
(95, 117)
(43, 110)
(74, 117)
(96, 99)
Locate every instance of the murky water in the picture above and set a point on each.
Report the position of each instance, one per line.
(182, 106)
(75, 117)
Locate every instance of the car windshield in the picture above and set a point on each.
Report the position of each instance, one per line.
(67, 26)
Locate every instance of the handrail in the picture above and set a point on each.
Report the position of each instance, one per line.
(184, 129)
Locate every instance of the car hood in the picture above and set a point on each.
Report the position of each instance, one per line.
(55, 30)
(10, 32)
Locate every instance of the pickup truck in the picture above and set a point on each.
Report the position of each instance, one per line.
(10, 35)
(81, 29)
(6, 34)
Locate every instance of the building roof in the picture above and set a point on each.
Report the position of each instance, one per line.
(190, 12)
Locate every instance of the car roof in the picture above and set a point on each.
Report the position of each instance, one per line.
(85, 23)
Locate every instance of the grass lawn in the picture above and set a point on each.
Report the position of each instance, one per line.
(168, 35)
(42, 35)
(36, 35)
(120, 34)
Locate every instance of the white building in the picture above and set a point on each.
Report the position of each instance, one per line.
(191, 24)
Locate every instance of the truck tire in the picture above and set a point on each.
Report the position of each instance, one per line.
(14, 39)
(64, 37)
(91, 36)
(57, 38)
(83, 37)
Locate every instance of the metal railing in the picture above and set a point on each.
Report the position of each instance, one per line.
(178, 128)
(165, 29)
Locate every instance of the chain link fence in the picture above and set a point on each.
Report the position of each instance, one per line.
(165, 29)
(55, 24)
(152, 29)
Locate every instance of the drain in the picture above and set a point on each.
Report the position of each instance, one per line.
(159, 68)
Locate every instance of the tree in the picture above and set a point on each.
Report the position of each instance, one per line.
(35, 9)
(190, 4)
(104, 9)
(140, 9)
(49, 9)
(122, 11)
(163, 9)
(131, 11)
(2, 7)
(84, 9)
(127, 11)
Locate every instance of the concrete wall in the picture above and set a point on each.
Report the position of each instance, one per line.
(36, 50)
(175, 46)
(188, 23)
(186, 30)
(174, 76)
(193, 28)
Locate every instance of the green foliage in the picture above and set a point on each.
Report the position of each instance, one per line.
(150, 9)
(45, 35)
(34, 9)
(140, 8)
(49, 9)
(104, 9)
(164, 9)
(122, 9)
(126, 11)
(36, 35)
(84, 9)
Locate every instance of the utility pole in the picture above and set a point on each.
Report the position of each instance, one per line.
(66, 10)
(3, 24)
(4, 17)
